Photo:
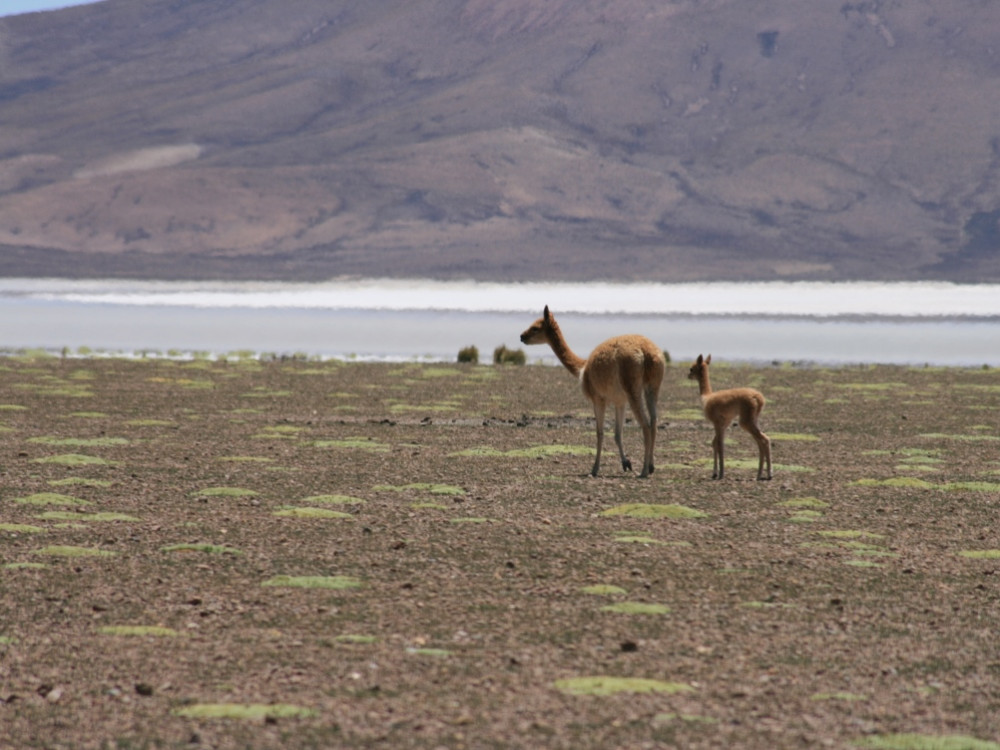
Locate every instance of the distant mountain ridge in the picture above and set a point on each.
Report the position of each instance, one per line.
(665, 140)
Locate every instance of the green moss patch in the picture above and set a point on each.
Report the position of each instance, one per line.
(356, 639)
(966, 438)
(874, 387)
(245, 711)
(645, 510)
(288, 430)
(805, 516)
(542, 451)
(667, 718)
(803, 502)
(70, 551)
(972, 486)
(483, 451)
(314, 582)
(224, 492)
(101, 442)
(72, 459)
(432, 489)
(911, 483)
(310, 512)
(926, 742)
(630, 538)
(613, 685)
(80, 481)
(209, 549)
(636, 608)
(356, 443)
(918, 459)
(68, 515)
(850, 534)
(438, 372)
(154, 631)
(980, 554)
(535, 451)
(265, 393)
(21, 528)
(603, 589)
(439, 653)
(784, 437)
(333, 500)
(51, 498)
(838, 696)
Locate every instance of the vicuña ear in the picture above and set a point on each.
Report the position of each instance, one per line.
(546, 314)
(708, 359)
(700, 360)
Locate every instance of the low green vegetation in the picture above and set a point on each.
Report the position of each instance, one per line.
(604, 686)
(50, 498)
(653, 511)
(313, 582)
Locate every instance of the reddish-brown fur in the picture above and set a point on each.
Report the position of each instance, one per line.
(722, 407)
(624, 369)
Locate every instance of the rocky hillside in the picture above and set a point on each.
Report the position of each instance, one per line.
(502, 139)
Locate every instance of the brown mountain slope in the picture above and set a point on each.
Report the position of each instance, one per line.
(507, 139)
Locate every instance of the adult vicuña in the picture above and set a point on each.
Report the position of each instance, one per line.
(722, 407)
(622, 369)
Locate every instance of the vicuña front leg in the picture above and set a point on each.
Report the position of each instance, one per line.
(764, 448)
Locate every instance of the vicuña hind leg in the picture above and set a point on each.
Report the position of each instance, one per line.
(651, 412)
(718, 461)
(635, 400)
(763, 446)
(599, 416)
(619, 422)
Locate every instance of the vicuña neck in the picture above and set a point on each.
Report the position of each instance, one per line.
(704, 384)
(562, 351)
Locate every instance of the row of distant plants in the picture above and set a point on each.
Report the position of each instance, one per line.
(504, 356)
(501, 355)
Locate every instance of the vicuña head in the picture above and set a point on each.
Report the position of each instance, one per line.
(624, 369)
(722, 407)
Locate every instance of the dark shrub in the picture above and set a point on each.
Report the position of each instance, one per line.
(504, 356)
(468, 354)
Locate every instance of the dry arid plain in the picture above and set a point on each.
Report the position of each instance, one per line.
(248, 554)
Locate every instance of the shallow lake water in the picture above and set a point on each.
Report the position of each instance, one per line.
(829, 323)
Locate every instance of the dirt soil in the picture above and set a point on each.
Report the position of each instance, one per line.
(414, 556)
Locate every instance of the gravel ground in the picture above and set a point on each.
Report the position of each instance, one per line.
(305, 554)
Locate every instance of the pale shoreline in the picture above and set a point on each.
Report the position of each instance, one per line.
(756, 299)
